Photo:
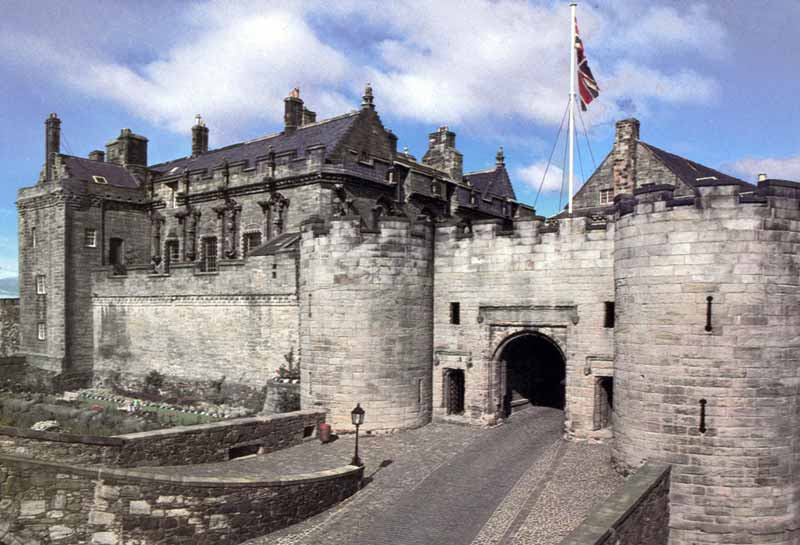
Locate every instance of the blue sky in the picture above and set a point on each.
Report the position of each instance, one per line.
(715, 81)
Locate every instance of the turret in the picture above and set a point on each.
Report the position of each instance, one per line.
(127, 149)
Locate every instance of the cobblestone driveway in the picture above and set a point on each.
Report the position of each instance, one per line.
(517, 484)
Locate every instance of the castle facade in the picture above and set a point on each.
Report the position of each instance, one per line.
(665, 307)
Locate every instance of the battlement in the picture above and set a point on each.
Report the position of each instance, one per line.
(774, 198)
(353, 231)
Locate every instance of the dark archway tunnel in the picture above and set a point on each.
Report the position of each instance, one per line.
(535, 373)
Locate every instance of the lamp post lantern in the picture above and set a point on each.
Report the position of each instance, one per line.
(357, 417)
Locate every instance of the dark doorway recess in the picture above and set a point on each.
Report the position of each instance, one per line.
(454, 390)
(535, 373)
(604, 402)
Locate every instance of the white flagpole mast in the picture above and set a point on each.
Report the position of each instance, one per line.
(572, 7)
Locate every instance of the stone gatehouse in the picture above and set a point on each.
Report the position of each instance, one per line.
(666, 305)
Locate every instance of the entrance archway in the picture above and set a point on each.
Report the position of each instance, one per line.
(535, 373)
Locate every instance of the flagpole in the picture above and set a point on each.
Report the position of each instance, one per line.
(572, 7)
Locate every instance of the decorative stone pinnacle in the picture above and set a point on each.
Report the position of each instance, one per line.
(367, 101)
(295, 93)
(500, 158)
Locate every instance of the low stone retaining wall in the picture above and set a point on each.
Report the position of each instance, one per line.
(46, 502)
(215, 442)
(638, 514)
(281, 398)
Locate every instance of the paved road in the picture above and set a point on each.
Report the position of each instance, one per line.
(480, 488)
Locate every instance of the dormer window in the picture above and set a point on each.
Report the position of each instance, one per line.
(100, 180)
(435, 188)
(473, 199)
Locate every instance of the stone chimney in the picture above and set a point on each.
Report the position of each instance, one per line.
(309, 116)
(97, 155)
(623, 156)
(127, 149)
(443, 155)
(199, 136)
(52, 144)
(293, 110)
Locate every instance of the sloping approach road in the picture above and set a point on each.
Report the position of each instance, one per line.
(455, 485)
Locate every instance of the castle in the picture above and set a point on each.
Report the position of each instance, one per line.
(666, 304)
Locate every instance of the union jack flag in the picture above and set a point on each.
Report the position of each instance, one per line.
(587, 86)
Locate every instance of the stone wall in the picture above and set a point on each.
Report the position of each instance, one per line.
(184, 445)
(9, 327)
(218, 336)
(711, 386)
(537, 279)
(636, 515)
(47, 502)
(281, 398)
(366, 301)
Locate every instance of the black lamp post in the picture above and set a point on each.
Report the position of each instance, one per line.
(357, 416)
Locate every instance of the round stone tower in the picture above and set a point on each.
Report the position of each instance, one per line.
(367, 321)
(707, 342)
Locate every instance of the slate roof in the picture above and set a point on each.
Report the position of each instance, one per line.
(689, 171)
(327, 132)
(83, 169)
(492, 182)
(281, 242)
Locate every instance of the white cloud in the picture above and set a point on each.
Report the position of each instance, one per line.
(532, 176)
(234, 62)
(787, 168)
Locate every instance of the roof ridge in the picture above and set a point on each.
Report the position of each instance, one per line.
(485, 171)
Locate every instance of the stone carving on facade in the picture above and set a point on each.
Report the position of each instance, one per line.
(229, 215)
(189, 220)
(274, 214)
(343, 205)
(157, 224)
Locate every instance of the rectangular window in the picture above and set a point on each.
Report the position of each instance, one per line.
(90, 238)
(172, 251)
(41, 331)
(41, 286)
(173, 196)
(208, 263)
(274, 271)
(606, 196)
(251, 241)
(33, 237)
(455, 313)
(609, 317)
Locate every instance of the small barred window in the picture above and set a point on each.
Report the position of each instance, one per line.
(90, 238)
(41, 286)
(41, 331)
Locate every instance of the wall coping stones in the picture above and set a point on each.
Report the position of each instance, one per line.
(100, 473)
(601, 524)
(199, 428)
(62, 437)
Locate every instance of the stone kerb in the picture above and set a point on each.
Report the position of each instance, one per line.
(202, 443)
(117, 506)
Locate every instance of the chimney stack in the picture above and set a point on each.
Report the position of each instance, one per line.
(127, 149)
(624, 156)
(97, 155)
(293, 110)
(199, 136)
(309, 116)
(52, 144)
(762, 177)
(442, 153)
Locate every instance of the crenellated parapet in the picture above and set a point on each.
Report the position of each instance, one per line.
(707, 339)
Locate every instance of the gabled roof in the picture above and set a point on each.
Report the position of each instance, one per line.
(492, 182)
(690, 172)
(84, 169)
(327, 133)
